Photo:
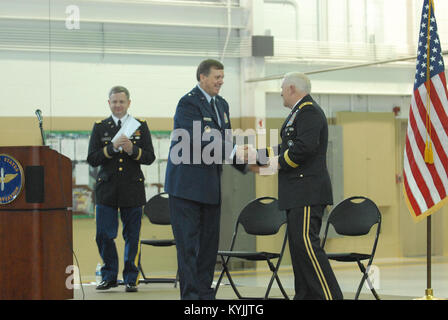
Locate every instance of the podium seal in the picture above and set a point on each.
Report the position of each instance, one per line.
(11, 179)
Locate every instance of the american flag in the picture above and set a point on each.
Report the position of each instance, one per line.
(425, 170)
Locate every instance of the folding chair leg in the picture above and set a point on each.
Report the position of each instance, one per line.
(233, 284)
(226, 271)
(177, 279)
(271, 266)
(281, 287)
(147, 280)
(219, 281)
(360, 286)
(372, 289)
(220, 276)
(377, 297)
(277, 279)
(365, 277)
(266, 296)
(141, 270)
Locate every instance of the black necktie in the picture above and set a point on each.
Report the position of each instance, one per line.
(119, 124)
(215, 110)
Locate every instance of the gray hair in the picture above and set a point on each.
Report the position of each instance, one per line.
(119, 89)
(298, 80)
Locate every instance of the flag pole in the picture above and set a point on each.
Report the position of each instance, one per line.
(430, 160)
(429, 293)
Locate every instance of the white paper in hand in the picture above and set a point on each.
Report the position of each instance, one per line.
(272, 167)
(128, 128)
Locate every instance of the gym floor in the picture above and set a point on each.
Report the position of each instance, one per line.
(394, 279)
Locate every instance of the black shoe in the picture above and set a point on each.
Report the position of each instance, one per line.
(130, 287)
(105, 285)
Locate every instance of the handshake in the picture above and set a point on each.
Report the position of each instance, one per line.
(248, 154)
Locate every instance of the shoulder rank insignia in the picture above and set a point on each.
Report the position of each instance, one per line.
(309, 103)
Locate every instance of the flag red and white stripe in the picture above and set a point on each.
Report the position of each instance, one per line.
(426, 176)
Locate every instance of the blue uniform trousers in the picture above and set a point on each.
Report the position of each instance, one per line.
(106, 232)
(196, 230)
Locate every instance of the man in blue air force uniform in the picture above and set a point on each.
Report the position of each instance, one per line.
(194, 184)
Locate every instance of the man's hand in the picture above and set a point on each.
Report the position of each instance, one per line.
(241, 153)
(124, 143)
(247, 153)
(271, 168)
(255, 168)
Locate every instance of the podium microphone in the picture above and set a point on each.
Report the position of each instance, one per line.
(39, 118)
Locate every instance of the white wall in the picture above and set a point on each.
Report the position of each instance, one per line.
(76, 83)
(350, 20)
(333, 103)
(80, 83)
(153, 48)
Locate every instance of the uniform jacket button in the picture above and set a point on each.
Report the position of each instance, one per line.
(120, 169)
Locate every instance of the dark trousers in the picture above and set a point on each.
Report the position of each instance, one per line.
(313, 277)
(106, 232)
(196, 231)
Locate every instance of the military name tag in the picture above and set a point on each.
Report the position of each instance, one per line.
(207, 119)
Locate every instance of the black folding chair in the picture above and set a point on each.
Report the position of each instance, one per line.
(158, 212)
(355, 216)
(258, 219)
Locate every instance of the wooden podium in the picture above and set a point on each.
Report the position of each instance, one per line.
(35, 224)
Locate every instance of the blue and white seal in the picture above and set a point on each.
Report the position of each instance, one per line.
(11, 179)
